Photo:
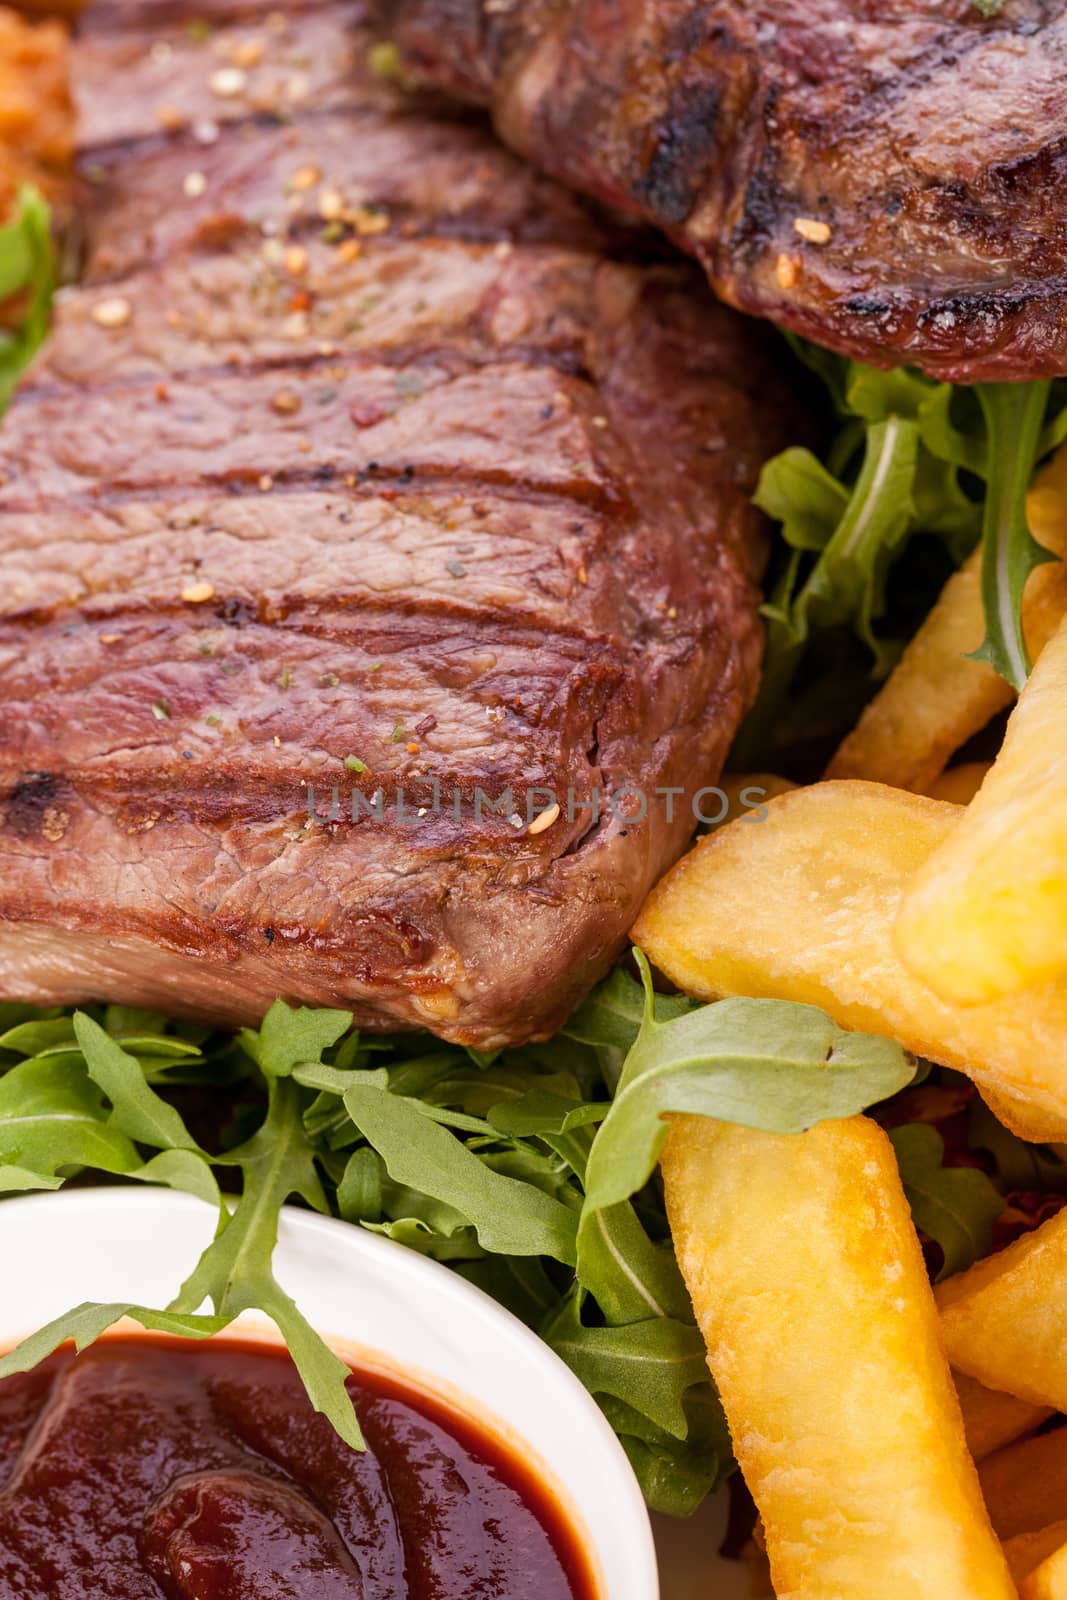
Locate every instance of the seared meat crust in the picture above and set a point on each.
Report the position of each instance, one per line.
(367, 468)
(885, 178)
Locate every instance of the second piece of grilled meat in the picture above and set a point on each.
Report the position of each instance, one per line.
(889, 179)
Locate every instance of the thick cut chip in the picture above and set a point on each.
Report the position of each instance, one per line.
(991, 1418)
(801, 907)
(1025, 1484)
(809, 1286)
(1049, 1580)
(936, 698)
(986, 915)
(1027, 1551)
(1005, 1318)
(960, 784)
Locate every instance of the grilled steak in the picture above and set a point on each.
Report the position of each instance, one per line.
(888, 179)
(367, 487)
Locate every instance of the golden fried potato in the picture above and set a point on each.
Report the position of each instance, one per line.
(1025, 1484)
(36, 111)
(991, 1418)
(936, 699)
(1005, 1318)
(748, 792)
(960, 784)
(1026, 1551)
(1049, 1580)
(801, 907)
(810, 1289)
(986, 914)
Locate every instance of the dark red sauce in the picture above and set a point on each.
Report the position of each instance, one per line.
(149, 1467)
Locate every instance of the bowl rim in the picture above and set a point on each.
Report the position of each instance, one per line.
(312, 1237)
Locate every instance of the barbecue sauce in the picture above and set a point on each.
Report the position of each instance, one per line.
(149, 1467)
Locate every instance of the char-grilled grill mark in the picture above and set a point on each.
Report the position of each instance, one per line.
(368, 463)
(925, 142)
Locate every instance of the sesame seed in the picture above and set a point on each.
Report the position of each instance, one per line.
(544, 819)
(228, 82)
(305, 178)
(286, 402)
(277, 741)
(331, 205)
(194, 594)
(110, 638)
(170, 119)
(813, 231)
(600, 422)
(161, 711)
(296, 261)
(349, 250)
(113, 313)
(194, 184)
(786, 270)
(206, 131)
(266, 484)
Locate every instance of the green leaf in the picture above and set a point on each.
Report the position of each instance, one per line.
(27, 264)
(629, 1277)
(185, 1170)
(235, 1271)
(85, 1323)
(1014, 414)
(290, 1035)
(675, 1475)
(649, 1365)
(52, 1117)
(954, 1206)
(1019, 1164)
(768, 1064)
(137, 1110)
(612, 1014)
(796, 489)
(509, 1216)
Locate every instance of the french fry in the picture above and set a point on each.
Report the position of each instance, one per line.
(1049, 1580)
(1025, 1484)
(992, 1418)
(936, 699)
(809, 1286)
(960, 784)
(801, 907)
(986, 915)
(748, 791)
(1005, 1318)
(1026, 1551)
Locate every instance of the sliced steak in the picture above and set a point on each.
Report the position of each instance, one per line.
(368, 496)
(887, 179)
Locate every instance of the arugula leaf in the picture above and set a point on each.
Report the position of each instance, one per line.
(290, 1035)
(954, 1206)
(1019, 1165)
(53, 1119)
(85, 1323)
(764, 1063)
(912, 456)
(1014, 414)
(509, 1217)
(675, 1475)
(649, 1365)
(27, 266)
(235, 1271)
(138, 1112)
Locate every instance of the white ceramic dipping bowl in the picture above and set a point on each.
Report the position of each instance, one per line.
(381, 1306)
